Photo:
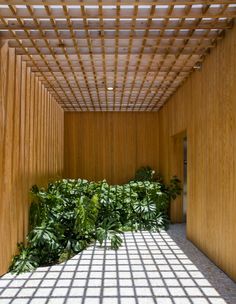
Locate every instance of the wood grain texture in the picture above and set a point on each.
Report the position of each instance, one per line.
(110, 145)
(31, 141)
(140, 48)
(205, 106)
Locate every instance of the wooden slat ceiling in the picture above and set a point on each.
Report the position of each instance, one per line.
(144, 50)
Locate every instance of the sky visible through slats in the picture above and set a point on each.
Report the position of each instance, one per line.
(114, 55)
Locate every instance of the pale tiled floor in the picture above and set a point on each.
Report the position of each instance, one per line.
(150, 268)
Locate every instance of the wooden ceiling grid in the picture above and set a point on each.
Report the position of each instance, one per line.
(48, 10)
(34, 63)
(106, 55)
(164, 82)
(186, 60)
(116, 54)
(128, 58)
(140, 57)
(75, 44)
(150, 90)
(13, 9)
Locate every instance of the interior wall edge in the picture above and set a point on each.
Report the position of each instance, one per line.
(206, 107)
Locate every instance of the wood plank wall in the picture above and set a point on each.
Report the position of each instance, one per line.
(110, 145)
(205, 106)
(31, 146)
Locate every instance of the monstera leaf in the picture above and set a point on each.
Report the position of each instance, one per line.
(25, 261)
(109, 231)
(43, 236)
(86, 215)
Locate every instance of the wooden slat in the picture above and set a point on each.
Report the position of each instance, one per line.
(140, 25)
(5, 252)
(108, 35)
(75, 13)
(111, 3)
(26, 126)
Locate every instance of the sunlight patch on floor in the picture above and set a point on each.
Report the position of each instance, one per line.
(150, 268)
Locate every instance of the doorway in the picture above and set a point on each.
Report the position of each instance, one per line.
(178, 210)
(185, 172)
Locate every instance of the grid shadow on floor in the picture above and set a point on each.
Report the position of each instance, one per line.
(150, 268)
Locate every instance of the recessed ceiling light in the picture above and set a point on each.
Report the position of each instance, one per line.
(197, 66)
(110, 88)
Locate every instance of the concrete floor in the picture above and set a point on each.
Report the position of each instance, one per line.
(150, 268)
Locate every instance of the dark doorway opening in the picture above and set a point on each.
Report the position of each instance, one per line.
(185, 172)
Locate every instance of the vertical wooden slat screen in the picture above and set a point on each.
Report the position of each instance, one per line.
(31, 141)
(205, 106)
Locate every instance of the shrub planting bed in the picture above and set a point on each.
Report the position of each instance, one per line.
(71, 214)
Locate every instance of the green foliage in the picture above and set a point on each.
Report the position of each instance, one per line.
(71, 214)
(144, 174)
(109, 231)
(25, 261)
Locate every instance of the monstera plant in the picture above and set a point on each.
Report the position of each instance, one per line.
(71, 214)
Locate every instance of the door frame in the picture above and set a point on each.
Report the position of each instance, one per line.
(177, 169)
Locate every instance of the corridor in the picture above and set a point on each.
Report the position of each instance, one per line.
(150, 268)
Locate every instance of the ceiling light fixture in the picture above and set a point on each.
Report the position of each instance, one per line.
(197, 66)
(110, 88)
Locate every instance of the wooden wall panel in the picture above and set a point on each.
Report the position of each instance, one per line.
(31, 141)
(110, 145)
(205, 107)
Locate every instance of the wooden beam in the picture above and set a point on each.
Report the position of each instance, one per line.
(95, 35)
(160, 51)
(127, 14)
(29, 26)
(111, 3)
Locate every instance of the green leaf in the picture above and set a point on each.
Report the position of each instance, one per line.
(25, 261)
(43, 236)
(116, 241)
